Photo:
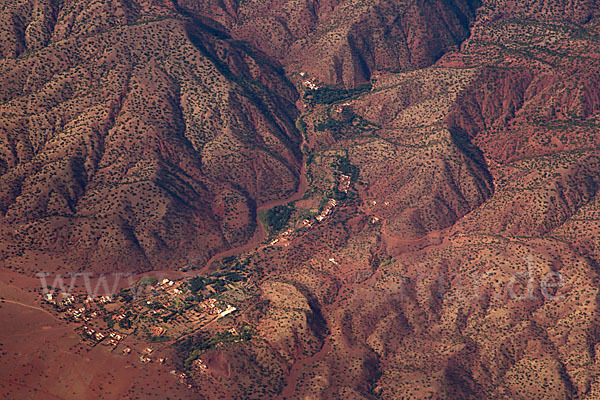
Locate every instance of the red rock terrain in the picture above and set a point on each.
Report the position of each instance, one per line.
(460, 262)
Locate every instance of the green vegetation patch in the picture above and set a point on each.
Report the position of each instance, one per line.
(148, 281)
(343, 166)
(277, 217)
(330, 95)
(350, 122)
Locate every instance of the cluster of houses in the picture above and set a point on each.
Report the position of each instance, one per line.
(105, 299)
(344, 183)
(119, 317)
(145, 356)
(78, 313)
(98, 336)
(86, 311)
(343, 186)
(170, 287)
(375, 219)
(68, 299)
(283, 238)
(85, 308)
(309, 83)
(199, 365)
(181, 376)
(206, 311)
(307, 223)
(328, 210)
(113, 338)
(210, 307)
(340, 108)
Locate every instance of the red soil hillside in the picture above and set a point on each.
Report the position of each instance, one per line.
(477, 182)
(130, 137)
(345, 42)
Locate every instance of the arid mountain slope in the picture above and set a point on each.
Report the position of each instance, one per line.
(345, 42)
(128, 138)
(463, 263)
(447, 245)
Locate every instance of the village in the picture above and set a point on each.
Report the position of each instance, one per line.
(284, 238)
(161, 311)
(139, 321)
